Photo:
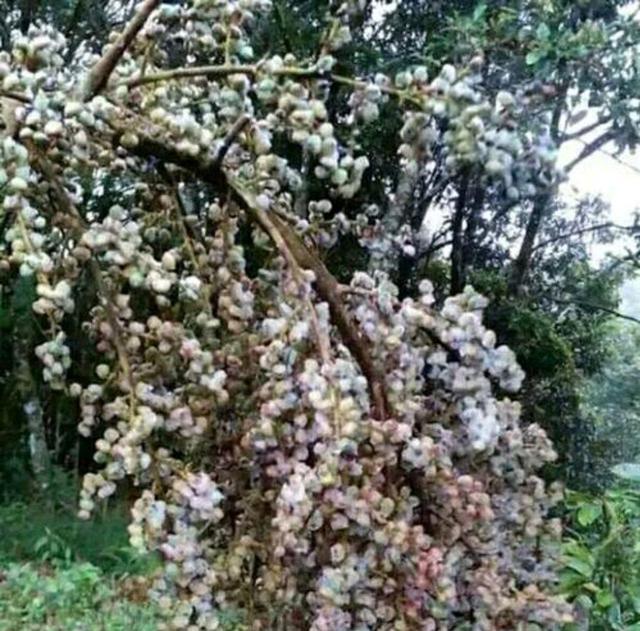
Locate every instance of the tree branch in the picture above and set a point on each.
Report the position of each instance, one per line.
(585, 130)
(327, 287)
(232, 134)
(224, 70)
(588, 305)
(567, 235)
(457, 262)
(591, 148)
(329, 290)
(100, 73)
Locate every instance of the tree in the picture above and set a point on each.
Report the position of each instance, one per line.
(315, 454)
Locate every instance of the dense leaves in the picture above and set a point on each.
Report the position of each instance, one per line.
(601, 559)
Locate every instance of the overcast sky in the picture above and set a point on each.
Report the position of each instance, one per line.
(617, 184)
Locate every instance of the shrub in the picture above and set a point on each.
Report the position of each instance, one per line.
(601, 558)
(67, 598)
(37, 533)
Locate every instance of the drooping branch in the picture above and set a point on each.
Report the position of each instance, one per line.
(64, 204)
(327, 287)
(101, 71)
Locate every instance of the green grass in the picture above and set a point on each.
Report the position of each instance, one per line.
(36, 533)
(58, 573)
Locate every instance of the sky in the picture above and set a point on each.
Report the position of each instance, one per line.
(618, 183)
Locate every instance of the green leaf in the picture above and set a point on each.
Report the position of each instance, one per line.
(543, 32)
(588, 513)
(533, 57)
(627, 471)
(479, 12)
(584, 568)
(583, 602)
(605, 598)
(614, 615)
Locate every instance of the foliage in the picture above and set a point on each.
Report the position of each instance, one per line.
(37, 533)
(601, 559)
(66, 597)
(609, 398)
(310, 453)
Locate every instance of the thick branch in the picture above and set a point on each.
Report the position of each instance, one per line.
(269, 223)
(585, 130)
(328, 290)
(523, 260)
(457, 244)
(100, 73)
(327, 287)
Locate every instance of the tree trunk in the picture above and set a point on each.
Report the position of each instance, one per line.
(523, 261)
(32, 408)
(457, 238)
(27, 13)
(470, 231)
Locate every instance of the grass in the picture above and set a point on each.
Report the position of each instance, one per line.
(58, 573)
(35, 533)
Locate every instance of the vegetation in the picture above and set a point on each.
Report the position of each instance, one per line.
(601, 561)
(261, 267)
(65, 597)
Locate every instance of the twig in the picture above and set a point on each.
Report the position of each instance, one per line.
(224, 70)
(100, 73)
(588, 305)
(602, 226)
(232, 134)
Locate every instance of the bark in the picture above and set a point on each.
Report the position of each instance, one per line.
(457, 241)
(522, 263)
(470, 231)
(27, 13)
(32, 408)
(100, 73)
